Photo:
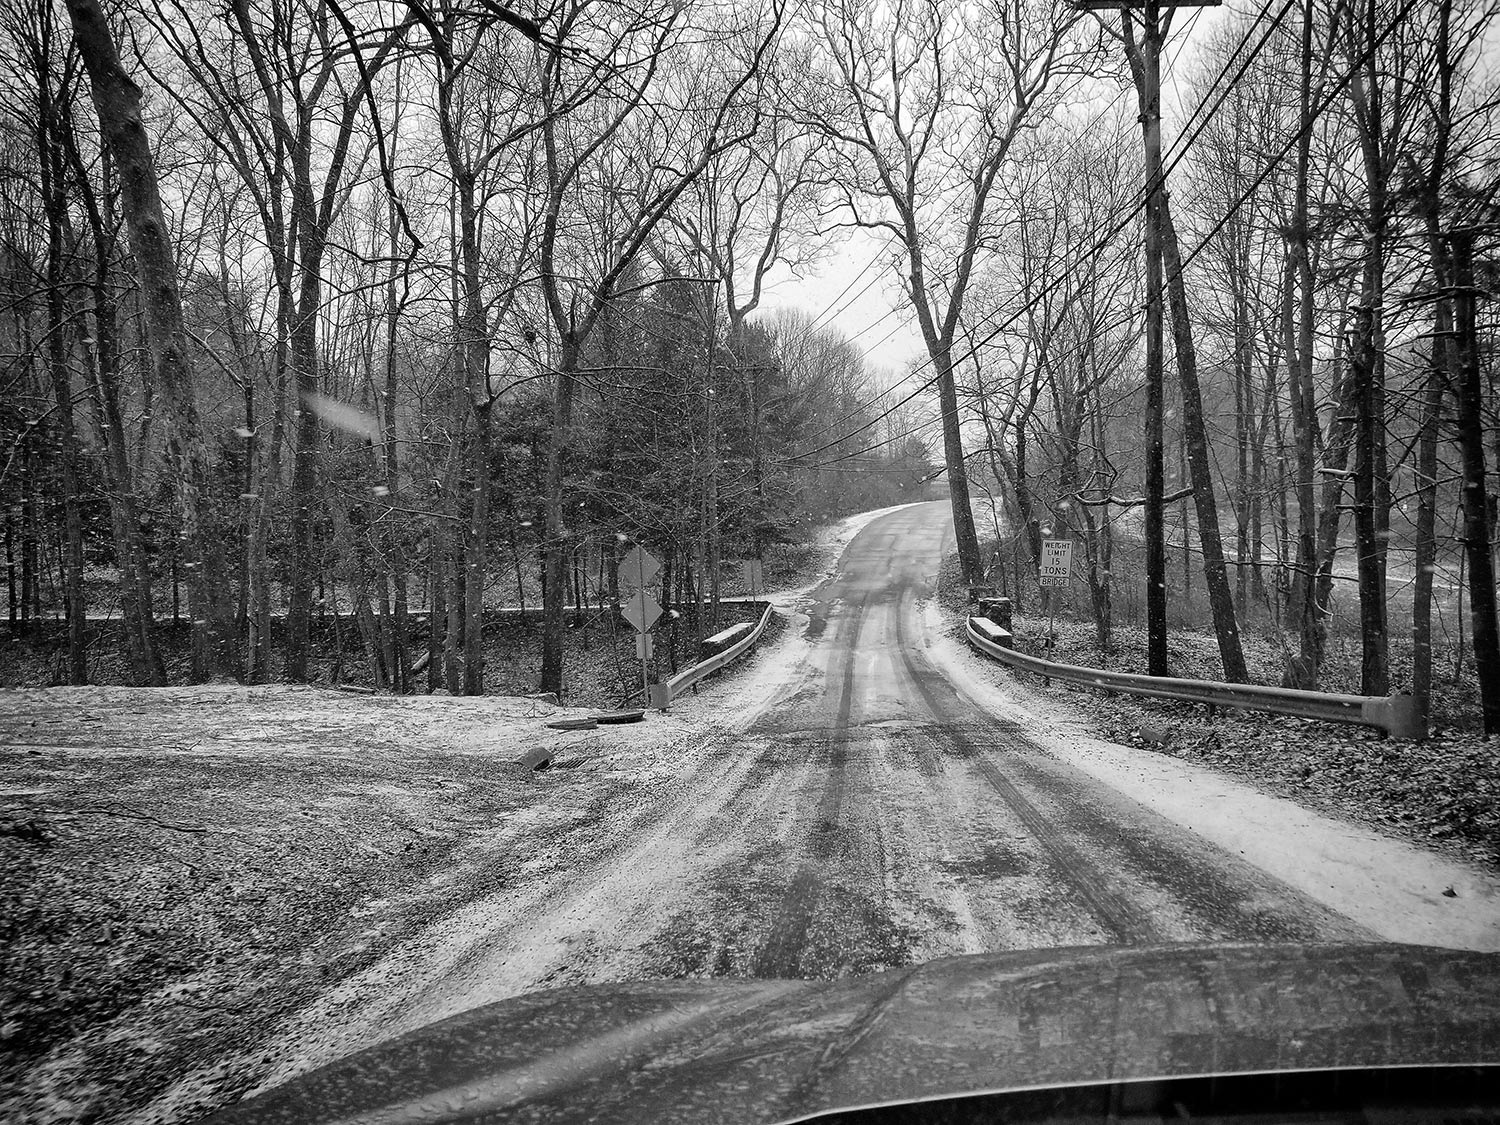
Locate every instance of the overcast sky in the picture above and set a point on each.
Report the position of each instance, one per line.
(855, 290)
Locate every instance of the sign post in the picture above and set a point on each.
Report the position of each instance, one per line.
(754, 575)
(637, 569)
(1056, 570)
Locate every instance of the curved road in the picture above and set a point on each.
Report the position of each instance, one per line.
(852, 811)
(910, 823)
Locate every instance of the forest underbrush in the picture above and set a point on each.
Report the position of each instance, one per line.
(600, 664)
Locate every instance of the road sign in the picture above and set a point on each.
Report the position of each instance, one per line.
(1057, 562)
(638, 568)
(644, 648)
(641, 610)
(754, 574)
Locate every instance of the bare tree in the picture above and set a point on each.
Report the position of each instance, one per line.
(1143, 50)
(672, 149)
(925, 98)
(117, 99)
(482, 100)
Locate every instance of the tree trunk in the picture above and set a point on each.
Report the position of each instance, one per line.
(474, 345)
(30, 533)
(965, 536)
(1441, 369)
(1374, 668)
(394, 560)
(1425, 559)
(1026, 508)
(555, 533)
(54, 204)
(12, 587)
(304, 356)
(1070, 486)
(1297, 327)
(1336, 452)
(437, 607)
(1475, 491)
(453, 629)
(1220, 596)
(1371, 488)
(1243, 398)
(117, 100)
(124, 510)
(476, 555)
(258, 639)
(354, 575)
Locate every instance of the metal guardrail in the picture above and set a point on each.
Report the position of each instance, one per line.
(690, 676)
(728, 636)
(1397, 715)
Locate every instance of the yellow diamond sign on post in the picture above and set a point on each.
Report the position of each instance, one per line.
(638, 568)
(641, 610)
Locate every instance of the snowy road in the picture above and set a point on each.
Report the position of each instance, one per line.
(849, 807)
(887, 819)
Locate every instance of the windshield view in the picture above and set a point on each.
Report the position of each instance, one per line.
(749, 561)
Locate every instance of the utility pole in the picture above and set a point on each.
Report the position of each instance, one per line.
(1145, 65)
(1152, 35)
(1477, 532)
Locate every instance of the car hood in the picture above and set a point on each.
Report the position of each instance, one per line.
(743, 1051)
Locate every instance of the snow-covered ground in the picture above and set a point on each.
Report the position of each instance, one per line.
(181, 867)
(1393, 888)
(222, 887)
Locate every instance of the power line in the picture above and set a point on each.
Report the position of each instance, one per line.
(1182, 146)
(890, 239)
(833, 308)
(1271, 165)
(1113, 104)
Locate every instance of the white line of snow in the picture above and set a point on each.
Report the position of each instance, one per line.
(1387, 885)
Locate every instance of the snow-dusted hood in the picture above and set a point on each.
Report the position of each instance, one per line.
(741, 1051)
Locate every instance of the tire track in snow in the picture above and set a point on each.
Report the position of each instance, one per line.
(1114, 911)
(781, 952)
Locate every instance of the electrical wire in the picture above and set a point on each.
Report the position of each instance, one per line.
(890, 239)
(833, 309)
(1182, 145)
(1271, 165)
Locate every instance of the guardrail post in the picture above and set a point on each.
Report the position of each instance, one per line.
(1398, 715)
(997, 610)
